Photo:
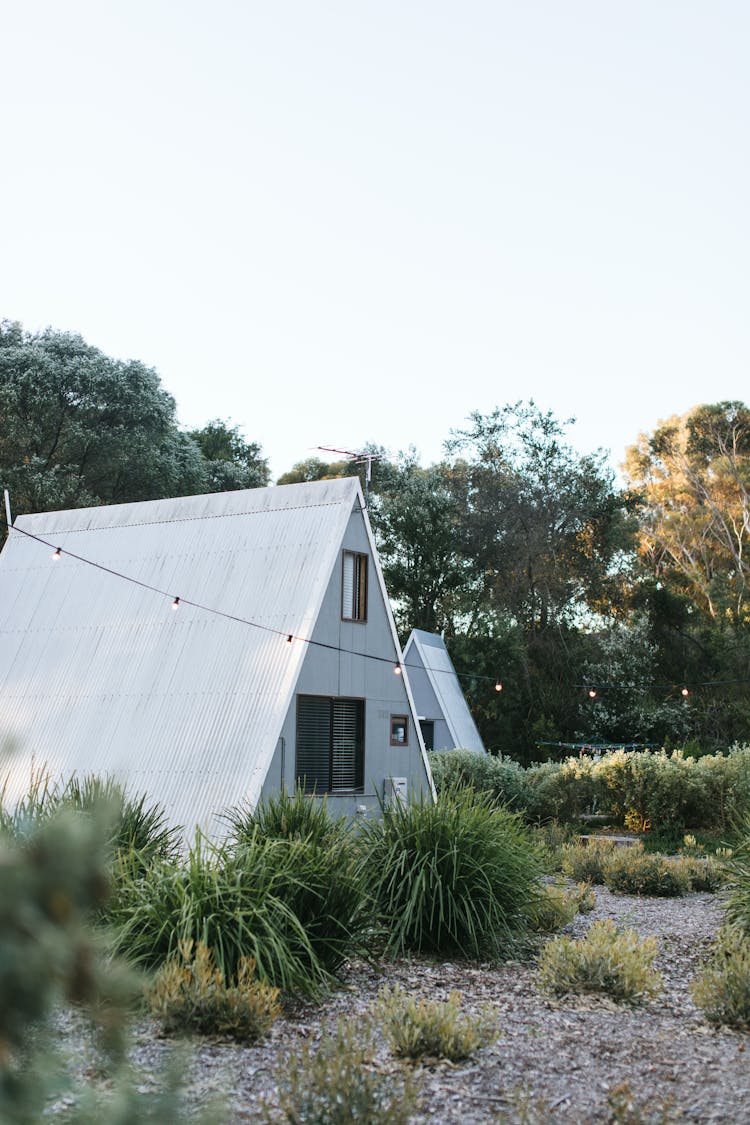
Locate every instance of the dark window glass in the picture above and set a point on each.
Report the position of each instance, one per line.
(330, 744)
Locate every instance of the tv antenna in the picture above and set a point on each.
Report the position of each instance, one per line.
(361, 457)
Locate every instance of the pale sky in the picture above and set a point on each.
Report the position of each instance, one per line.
(341, 222)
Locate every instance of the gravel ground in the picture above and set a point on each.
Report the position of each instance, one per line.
(553, 1060)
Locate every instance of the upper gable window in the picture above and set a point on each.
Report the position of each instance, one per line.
(354, 587)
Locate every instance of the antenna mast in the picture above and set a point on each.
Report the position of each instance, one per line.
(363, 457)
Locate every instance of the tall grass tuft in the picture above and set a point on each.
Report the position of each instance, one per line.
(296, 908)
(457, 876)
(135, 828)
(282, 816)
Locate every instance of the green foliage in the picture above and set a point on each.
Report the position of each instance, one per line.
(738, 867)
(502, 777)
(189, 993)
(706, 873)
(336, 1083)
(80, 428)
(556, 906)
(296, 907)
(722, 989)
(633, 871)
(655, 791)
(418, 1028)
(587, 862)
(282, 816)
(229, 460)
(51, 881)
(607, 960)
(415, 519)
(137, 833)
(456, 876)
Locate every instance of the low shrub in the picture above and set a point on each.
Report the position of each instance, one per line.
(336, 1083)
(705, 873)
(722, 989)
(418, 1028)
(189, 993)
(556, 906)
(586, 862)
(585, 898)
(454, 876)
(608, 960)
(632, 871)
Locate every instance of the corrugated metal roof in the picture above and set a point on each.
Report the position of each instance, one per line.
(98, 674)
(430, 651)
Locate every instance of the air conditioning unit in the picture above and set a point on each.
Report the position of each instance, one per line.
(394, 789)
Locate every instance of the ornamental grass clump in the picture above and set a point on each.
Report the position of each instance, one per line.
(633, 871)
(284, 816)
(418, 1028)
(458, 876)
(607, 960)
(298, 909)
(190, 994)
(335, 1083)
(722, 989)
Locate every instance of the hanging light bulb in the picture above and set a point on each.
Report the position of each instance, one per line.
(397, 669)
(498, 686)
(56, 553)
(176, 603)
(685, 692)
(592, 693)
(289, 639)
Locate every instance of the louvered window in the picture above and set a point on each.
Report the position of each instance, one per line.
(330, 744)
(354, 587)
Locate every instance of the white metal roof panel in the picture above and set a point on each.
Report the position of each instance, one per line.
(429, 649)
(98, 674)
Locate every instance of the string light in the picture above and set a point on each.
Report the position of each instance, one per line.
(475, 676)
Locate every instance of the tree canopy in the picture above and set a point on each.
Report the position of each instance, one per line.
(78, 428)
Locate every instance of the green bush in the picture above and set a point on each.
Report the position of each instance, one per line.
(485, 773)
(335, 1084)
(296, 907)
(50, 883)
(418, 1028)
(608, 960)
(632, 871)
(705, 873)
(586, 862)
(722, 989)
(189, 993)
(455, 876)
(556, 907)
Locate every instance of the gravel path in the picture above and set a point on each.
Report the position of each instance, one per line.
(554, 1060)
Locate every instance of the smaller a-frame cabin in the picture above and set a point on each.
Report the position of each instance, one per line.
(444, 716)
(208, 650)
